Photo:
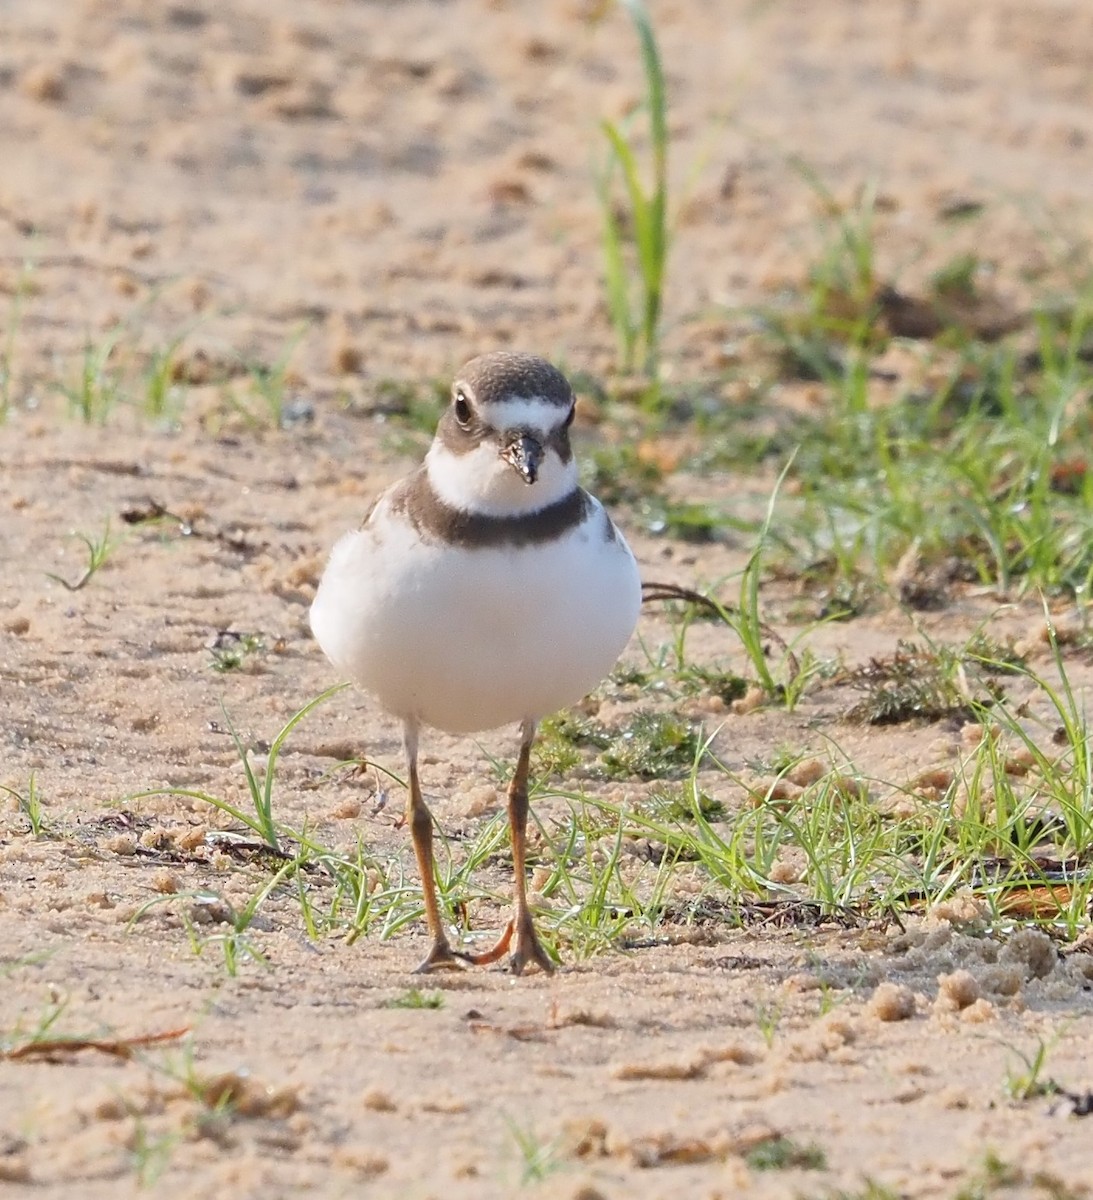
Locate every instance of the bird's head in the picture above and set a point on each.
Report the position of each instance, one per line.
(502, 445)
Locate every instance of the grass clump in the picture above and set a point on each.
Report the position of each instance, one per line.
(782, 678)
(564, 738)
(982, 474)
(685, 521)
(685, 802)
(618, 473)
(651, 746)
(998, 1178)
(635, 217)
(269, 400)
(21, 290)
(96, 388)
(870, 1190)
(538, 1158)
(212, 921)
(162, 388)
(415, 998)
(970, 456)
(1027, 1081)
(259, 787)
(29, 804)
(98, 550)
(928, 684)
(698, 679)
(781, 1153)
(231, 649)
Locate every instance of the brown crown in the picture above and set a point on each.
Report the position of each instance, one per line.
(504, 375)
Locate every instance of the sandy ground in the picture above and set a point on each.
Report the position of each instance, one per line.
(371, 193)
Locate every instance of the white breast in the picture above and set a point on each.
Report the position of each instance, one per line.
(469, 639)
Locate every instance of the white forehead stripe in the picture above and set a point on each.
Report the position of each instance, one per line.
(519, 413)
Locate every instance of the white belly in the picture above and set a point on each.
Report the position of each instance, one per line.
(467, 640)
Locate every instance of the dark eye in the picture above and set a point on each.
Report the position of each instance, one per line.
(570, 415)
(462, 409)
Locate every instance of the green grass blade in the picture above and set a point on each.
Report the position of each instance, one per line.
(647, 210)
(279, 740)
(223, 806)
(618, 293)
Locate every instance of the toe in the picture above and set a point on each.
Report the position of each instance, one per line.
(440, 958)
(529, 951)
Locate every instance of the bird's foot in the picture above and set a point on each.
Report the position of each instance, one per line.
(496, 951)
(528, 949)
(442, 957)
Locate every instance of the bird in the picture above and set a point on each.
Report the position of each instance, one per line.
(486, 588)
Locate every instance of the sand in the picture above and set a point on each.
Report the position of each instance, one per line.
(360, 196)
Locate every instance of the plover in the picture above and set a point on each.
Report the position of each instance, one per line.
(486, 588)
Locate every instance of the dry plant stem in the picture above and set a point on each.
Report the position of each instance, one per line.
(528, 947)
(653, 593)
(117, 1047)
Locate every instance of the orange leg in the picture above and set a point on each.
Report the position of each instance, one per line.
(421, 830)
(528, 948)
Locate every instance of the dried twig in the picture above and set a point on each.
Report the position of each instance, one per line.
(653, 593)
(49, 1048)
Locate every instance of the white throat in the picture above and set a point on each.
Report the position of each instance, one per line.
(482, 482)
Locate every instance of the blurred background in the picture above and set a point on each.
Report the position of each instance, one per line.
(355, 191)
